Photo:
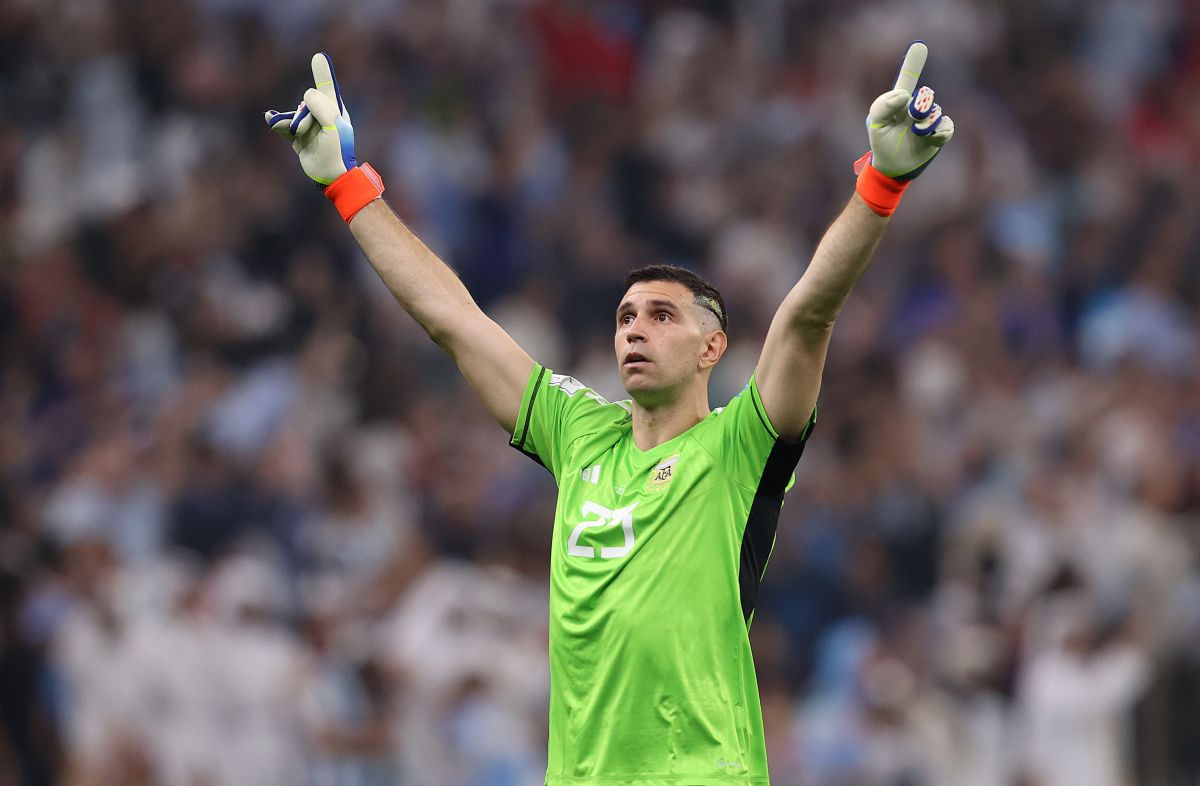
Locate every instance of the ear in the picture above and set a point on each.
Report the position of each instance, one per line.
(715, 344)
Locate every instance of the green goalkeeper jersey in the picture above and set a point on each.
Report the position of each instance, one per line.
(657, 556)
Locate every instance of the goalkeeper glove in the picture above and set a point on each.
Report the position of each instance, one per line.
(905, 131)
(323, 137)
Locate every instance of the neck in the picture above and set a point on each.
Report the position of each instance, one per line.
(654, 425)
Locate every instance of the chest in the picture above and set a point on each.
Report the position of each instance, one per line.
(620, 474)
(619, 502)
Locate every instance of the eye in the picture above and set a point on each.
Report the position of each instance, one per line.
(625, 319)
(663, 316)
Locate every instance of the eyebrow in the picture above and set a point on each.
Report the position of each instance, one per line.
(656, 303)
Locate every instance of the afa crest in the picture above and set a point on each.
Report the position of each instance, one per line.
(662, 474)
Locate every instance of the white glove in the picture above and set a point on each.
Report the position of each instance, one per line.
(326, 146)
(907, 131)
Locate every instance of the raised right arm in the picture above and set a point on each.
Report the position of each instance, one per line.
(323, 137)
(494, 365)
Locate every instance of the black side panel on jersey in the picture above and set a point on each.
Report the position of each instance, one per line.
(759, 536)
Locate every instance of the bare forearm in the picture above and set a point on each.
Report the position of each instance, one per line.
(424, 285)
(494, 365)
(839, 261)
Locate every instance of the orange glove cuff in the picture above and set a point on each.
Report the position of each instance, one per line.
(354, 190)
(880, 192)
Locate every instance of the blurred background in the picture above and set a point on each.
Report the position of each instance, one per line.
(254, 529)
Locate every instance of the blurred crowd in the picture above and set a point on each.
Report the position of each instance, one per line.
(254, 529)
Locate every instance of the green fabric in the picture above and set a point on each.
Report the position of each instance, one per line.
(652, 680)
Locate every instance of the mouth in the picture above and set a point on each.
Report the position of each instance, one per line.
(635, 360)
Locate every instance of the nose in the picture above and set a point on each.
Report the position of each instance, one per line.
(634, 331)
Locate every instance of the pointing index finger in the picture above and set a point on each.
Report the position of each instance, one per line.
(324, 79)
(910, 69)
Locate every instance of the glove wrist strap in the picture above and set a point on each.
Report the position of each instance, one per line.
(354, 190)
(880, 192)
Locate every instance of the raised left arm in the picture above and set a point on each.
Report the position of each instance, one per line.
(906, 132)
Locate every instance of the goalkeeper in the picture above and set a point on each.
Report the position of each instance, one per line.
(666, 510)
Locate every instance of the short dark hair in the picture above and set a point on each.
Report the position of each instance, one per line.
(705, 294)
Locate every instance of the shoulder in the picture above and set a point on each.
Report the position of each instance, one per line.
(582, 406)
(743, 412)
(565, 385)
(741, 439)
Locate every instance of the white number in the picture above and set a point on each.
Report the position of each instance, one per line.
(603, 518)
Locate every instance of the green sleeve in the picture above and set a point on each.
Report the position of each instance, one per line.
(556, 410)
(743, 437)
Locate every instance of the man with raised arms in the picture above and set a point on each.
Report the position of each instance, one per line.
(666, 508)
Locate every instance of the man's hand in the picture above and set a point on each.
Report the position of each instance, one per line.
(326, 146)
(323, 137)
(321, 134)
(907, 131)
